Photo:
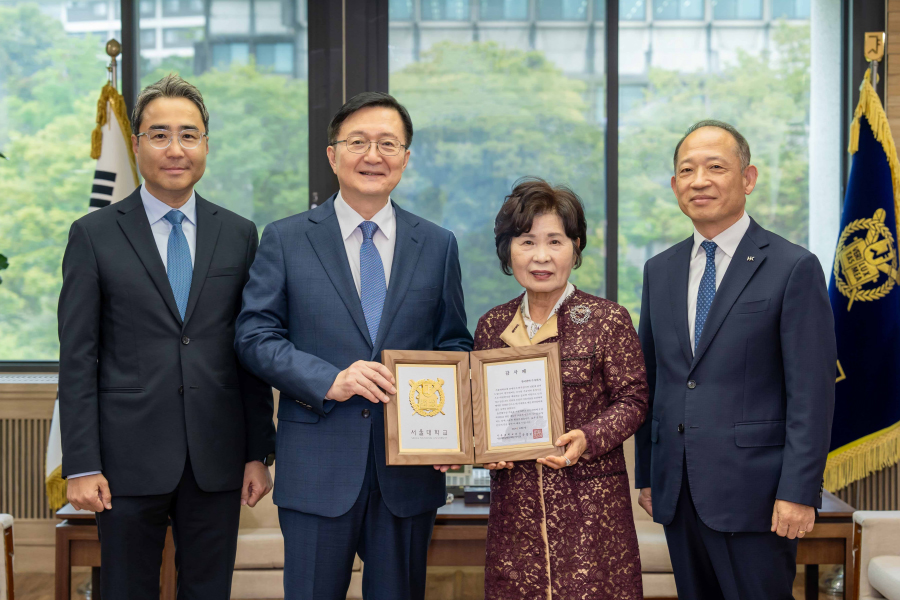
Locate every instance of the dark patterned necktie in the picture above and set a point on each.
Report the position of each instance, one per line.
(707, 290)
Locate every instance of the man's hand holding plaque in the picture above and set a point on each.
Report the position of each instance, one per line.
(363, 378)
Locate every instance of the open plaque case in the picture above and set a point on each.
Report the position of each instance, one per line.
(469, 408)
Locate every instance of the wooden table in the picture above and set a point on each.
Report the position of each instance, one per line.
(829, 543)
(78, 545)
(460, 532)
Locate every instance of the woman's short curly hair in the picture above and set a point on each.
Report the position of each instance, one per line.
(530, 198)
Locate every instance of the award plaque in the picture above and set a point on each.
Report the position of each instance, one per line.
(517, 403)
(467, 408)
(429, 420)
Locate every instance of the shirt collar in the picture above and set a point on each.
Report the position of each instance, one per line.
(728, 240)
(526, 315)
(157, 209)
(349, 219)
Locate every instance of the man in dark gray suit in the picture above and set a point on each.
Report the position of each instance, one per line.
(738, 337)
(158, 419)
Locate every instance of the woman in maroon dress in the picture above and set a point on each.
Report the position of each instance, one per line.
(562, 528)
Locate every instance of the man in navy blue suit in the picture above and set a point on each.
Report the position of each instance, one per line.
(738, 336)
(330, 288)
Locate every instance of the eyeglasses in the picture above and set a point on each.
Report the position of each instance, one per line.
(162, 138)
(360, 145)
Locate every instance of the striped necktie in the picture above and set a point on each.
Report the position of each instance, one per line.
(178, 261)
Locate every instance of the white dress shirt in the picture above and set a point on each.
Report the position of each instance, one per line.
(156, 211)
(384, 238)
(727, 243)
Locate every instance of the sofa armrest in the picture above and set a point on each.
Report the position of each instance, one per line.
(879, 535)
(6, 564)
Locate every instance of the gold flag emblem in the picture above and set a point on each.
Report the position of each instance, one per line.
(426, 397)
(860, 261)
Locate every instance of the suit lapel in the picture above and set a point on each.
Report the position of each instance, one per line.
(136, 227)
(406, 255)
(208, 226)
(738, 275)
(679, 273)
(328, 244)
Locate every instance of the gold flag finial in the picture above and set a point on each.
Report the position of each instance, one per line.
(113, 48)
(874, 45)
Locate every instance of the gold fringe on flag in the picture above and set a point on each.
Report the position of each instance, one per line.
(876, 451)
(862, 457)
(56, 489)
(870, 107)
(109, 94)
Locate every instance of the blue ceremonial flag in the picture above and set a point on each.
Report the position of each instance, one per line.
(866, 304)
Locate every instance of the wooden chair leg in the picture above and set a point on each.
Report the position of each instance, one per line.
(63, 565)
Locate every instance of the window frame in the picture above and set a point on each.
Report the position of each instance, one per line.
(337, 70)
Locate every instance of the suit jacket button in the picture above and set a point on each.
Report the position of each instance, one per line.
(365, 413)
(185, 340)
(681, 428)
(181, 389)
(692, 384)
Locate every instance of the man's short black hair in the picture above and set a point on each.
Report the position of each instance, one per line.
(366, 100)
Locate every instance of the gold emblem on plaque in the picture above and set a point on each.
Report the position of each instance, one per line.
(426, 397)
(860, 261)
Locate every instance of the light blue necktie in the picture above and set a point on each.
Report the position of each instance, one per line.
(373, 287)
(178, 261)
(707, 290)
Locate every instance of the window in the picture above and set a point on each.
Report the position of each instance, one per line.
(562, 10)
(148, 39)
(790, 9)
(98, 10)
(226, 55)
(181, 37)
(445, 10)
(252, 73)
(518, 105)
(401, 10)
(737, 9)
(48, 105)
(503, 10)
(277, 57)
(678, 9)
(630, 10)
(182, 8)
(755, 77)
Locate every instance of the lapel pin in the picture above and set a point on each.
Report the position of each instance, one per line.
(749, 259)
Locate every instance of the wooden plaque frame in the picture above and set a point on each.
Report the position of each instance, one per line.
(483, 452)
(460, 360)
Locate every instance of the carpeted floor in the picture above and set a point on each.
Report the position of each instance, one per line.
(39, 586)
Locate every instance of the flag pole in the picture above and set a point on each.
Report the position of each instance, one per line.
(113, 49)
(874, 68)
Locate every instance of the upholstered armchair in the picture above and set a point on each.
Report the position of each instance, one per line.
(876, 544)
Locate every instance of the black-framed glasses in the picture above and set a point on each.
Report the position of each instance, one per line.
(162, 138)
(360, 145)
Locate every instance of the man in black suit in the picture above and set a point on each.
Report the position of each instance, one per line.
(738, 336)
(159, 421)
